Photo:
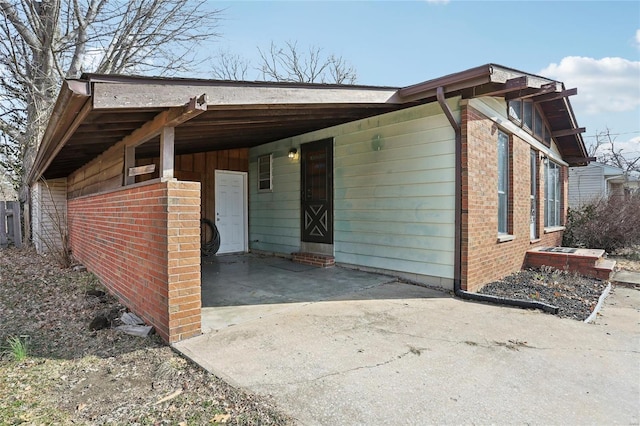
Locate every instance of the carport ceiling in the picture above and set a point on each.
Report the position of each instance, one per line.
(224, 125)
(217, 128)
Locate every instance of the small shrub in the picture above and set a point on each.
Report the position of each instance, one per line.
(608, 224)
(19, 347)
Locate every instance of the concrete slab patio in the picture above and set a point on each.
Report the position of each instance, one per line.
(393, 353)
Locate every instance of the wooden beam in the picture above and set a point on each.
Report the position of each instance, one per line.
(579, 160)
(512, 85)
(553, 96)
(568, 132)
(163, 124)
(129, 163)
(167, 152)
(169, 118)
(532, 92)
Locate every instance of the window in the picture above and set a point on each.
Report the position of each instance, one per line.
(264, 173)
(528, 114)
(503, 183)
(525, 114)
(552, 195)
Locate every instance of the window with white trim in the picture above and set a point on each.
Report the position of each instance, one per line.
(265, 183)
(503, 183)
(552, 195)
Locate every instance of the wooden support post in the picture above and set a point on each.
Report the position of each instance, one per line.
(167, 154)
(129, 162)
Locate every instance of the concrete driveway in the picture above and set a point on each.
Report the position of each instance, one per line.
(383, 352)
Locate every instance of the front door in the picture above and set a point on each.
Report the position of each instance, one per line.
(317, 191)
(231, 212)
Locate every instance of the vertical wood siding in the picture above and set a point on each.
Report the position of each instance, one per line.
(49, 209)
(201, 167)
(394, 183)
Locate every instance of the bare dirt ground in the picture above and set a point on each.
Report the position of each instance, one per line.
(76, 376)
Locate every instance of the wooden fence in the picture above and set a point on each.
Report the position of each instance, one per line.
(10, 224)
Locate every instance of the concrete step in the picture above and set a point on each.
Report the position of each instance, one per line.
(313, 259)
(587, 262)
(603, 269)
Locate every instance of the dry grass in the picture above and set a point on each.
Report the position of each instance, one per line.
(73, 375)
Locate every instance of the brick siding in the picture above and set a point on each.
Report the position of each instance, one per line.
(144, 245)
(484, 259)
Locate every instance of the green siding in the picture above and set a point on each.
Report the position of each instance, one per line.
(394, 181)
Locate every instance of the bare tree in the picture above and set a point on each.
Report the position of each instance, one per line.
(292, 64)
(230, 66)
(42, 42)
(605, 150)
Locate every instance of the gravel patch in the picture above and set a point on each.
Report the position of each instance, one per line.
(574, 295)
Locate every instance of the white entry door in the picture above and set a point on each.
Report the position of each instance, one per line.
(231, 210)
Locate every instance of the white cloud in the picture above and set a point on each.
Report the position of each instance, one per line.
(621, 143)
(437, 1)
(604, 85)
(637, 39)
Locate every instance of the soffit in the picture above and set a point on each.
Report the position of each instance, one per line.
(238, 115)
(216, 129)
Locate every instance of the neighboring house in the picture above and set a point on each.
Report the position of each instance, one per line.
(447, 182)
(595, 182)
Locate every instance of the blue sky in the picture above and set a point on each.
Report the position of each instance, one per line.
(594, 46)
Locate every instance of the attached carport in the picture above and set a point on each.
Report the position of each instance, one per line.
(133, 159)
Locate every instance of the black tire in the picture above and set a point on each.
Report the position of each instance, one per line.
(209, 248)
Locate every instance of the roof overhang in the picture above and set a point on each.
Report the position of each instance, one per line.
(97, 111)
(511, 84)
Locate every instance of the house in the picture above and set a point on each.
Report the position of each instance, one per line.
(447, 182)
(594, 182)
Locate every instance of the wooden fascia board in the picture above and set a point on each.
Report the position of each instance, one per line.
(120, 96)
(71, 108)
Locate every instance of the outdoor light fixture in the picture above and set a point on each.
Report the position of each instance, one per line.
(292, 153)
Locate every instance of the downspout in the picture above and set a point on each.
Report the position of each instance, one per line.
(457, 261)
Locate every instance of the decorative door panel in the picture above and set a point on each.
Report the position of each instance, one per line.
(317, 191)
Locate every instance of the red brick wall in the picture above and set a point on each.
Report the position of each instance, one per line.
(144, 245)
(484, 259)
